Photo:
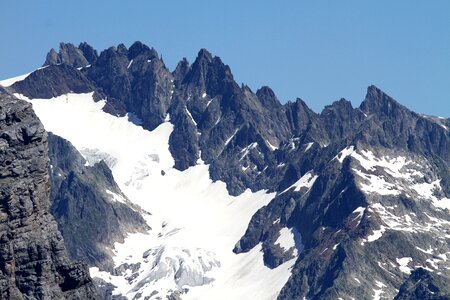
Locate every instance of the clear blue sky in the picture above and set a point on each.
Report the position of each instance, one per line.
(317, 50)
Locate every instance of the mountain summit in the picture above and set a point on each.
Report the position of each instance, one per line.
(183, 184)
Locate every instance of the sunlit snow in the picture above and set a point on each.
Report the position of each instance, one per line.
(195, 222)
(378, 292)
(403, 264)
(290, 237)
(10, 81)
(272, 147)
(231, 137)
(308, 146)
(190, 116)
(344, 153)
(247, 149)
(306, 181)
(360, 213)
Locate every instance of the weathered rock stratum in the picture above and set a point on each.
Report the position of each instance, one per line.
(33, 259)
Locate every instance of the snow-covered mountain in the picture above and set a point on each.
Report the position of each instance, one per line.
(185, 185)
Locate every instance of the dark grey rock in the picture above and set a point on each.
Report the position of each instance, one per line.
(89, 218)
(34, 262)
(88, 52)
(105, 290)
(135, 79)
(53, 81)
(392, 125)
(424, 285)
(71, 55)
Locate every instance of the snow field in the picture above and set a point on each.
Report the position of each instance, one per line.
(195, 222)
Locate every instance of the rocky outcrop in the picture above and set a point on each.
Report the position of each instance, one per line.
(424, 285)
(71, 55)
(52, 81)
(135, 79)
(91, 211)
(33, 259)
(392, 125)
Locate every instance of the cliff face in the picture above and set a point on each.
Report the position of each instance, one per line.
(82, 202)
(33, 260)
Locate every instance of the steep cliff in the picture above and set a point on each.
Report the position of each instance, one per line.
(33, 260)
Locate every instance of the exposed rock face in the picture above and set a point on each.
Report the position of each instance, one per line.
(71, 55)
(34, 262)
(91, 211)
(423, 284)
(135, 79)
(366, 187)
(53, 81)
(361, 219)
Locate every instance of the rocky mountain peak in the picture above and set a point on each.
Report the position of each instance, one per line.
(204, 55)
(181, 69)
(68, 54)
(378, 102)
(300, 116)
(135, 80)
(139, 48)
(340, 106)
(267, 96)
(122, 49)
(209, 74)
(89, 52)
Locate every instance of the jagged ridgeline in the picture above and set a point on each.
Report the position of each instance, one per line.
(348, 203)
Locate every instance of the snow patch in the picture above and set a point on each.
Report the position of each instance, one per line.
(167, 118)
(403, 264)
(115, 197)
(376, 234)
(218, 120)
(128, 149)
(376, 184)
(308, 146)
(379, 291)
(272, 147)
(290, 238)
(429, 251)
(247, 149)
(209, 102)
(360, 211)
(427, 191)
(190, 116)
(344, 153)
(231, 137)
(10, 81)
(306, 181)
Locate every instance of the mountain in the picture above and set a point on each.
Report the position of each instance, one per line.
(77, 187)
(34, 262)
(184, 184)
